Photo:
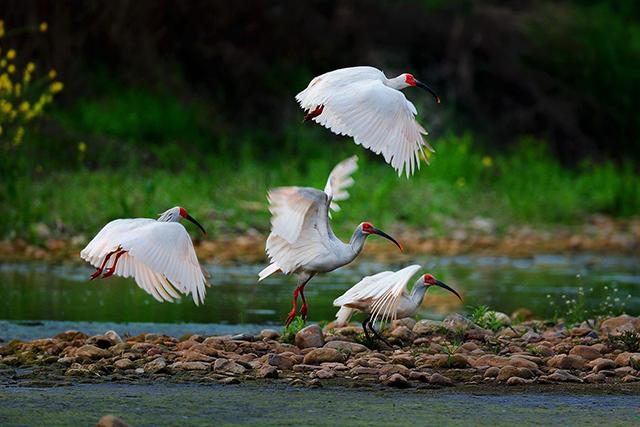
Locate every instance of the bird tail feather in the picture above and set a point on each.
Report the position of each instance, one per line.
(272, 268)
(343, 316)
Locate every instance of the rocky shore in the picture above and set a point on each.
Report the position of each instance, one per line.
(480, 235)
(425, 354)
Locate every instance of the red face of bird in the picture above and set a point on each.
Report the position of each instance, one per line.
(412, 81)
(367, 228)
(429, 280)
(183, 213)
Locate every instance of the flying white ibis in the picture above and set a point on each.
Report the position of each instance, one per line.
(158, 254)
(363, 103)
(384, 296)
(301, 240)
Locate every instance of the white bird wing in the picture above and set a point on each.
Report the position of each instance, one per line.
(299, 226)
(339, 180)
(381, 292)
(108, 239)
(378, 117)
(138, 235)
(165, 249)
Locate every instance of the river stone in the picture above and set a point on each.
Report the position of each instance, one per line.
(409, 322)
(562, 375)
(269, 334)
(224, 365)
(564, 361)
(624, 359)
(123, 364)
(601, 364)
(267, 371)
(531, 336)
(346, 346)
(91, 352)
(395, 369)
(364, 370)
(111, 421)
(405, 360)
(457, 321)
(323, 374)
(229, 380)
(77, 372)
(594, 378)
(319, 355)
(281, 361)
(438, 379)
(190, 366)
(398, 381)
(586, 352)
(616, 325)
(629, 379)
(517, 381)
(309, 337)
(507, 372)
(402, 333)
(492, 372)
(156, 365)
(427, 327)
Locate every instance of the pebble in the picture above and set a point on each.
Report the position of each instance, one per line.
(153, 367)
(91, 352)
(595, 378)
(269, 334)
(268, 371)
(320, 355)
(309, 337)
(398, 381)
(564, 361)
(601, 364)
(586, 352)
(346, 346)
(517, 381)
(438, 379)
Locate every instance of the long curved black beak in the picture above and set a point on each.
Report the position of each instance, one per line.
(386, 236)
(193, 220)
(428, 89)
(445, 286)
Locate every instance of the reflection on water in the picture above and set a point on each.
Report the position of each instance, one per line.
(38, 291)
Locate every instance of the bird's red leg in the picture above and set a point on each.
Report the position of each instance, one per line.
(303, 309)
(294, 308)
(314, 113)
(98, 271)
(112, 270)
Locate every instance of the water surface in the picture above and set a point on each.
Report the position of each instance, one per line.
(40, 291)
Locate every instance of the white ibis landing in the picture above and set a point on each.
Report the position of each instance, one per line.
(158, 254)
(301, 240)
(363, 103)
(384, 297)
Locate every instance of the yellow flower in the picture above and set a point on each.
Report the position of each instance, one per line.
(11, 68)
(487, 161)
(52, 74)
(11, 54)
(43, 27)
(56, 87)
(24, 107)
(31, 67)
(82, 147)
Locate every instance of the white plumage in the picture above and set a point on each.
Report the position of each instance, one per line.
(158, 254)
(301, 241)
(384, 296)
(362, 103)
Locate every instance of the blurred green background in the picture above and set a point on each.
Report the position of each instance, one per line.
(192, 103)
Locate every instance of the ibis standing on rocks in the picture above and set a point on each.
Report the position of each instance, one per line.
(158, 254)
(301, 240)
(384, 296)
(363, 103)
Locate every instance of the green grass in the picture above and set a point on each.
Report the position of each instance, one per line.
(229, 195)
